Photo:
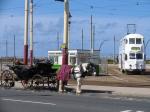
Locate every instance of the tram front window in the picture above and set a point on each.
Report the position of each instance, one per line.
(139, 56)
(132, 41)
(132, 55)
(138, 41)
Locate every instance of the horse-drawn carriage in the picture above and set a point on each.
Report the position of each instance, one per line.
(38, 75)
(42, 73)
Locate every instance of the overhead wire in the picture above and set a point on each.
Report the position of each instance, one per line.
(109, 10)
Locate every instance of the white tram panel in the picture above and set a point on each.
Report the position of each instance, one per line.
(131, 53)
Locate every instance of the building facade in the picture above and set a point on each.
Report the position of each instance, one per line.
(75, 57)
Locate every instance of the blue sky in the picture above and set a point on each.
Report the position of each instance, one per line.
(110, 18)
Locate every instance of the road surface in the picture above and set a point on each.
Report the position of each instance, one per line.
(12, 100)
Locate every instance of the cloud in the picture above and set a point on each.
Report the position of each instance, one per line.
(49, 27)
(46, 28)
(106, 26)
(10, 30)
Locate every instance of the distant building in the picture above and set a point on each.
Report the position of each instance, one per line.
(75, 57)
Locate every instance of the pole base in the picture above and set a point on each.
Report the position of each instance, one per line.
(25, 54)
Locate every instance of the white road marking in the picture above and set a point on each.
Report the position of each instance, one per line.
(23, 101)
(126, 111)
(130, 111)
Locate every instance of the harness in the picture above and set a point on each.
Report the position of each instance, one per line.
(80, 71)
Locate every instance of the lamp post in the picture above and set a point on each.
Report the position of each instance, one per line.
(69, 29)
(14, 48)
(65, 42)
(31, 32)
(26, 33)
(66, 18)
(66, 28)
(100, 46)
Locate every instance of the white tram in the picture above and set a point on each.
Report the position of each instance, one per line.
(131, 53)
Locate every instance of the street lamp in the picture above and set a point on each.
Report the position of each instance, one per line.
(31, 32)
(100, 46)
(69, 27)
(65, 43)
(65, 40)
(26, 33)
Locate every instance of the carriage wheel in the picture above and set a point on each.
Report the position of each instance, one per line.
(7, 79)
(52, 82)
(37, 81)
(26, 83)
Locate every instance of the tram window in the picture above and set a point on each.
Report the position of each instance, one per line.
(138, 41)
(132, 55)
(126, 57)
(125, 41)
(132, 41)
(139, 56)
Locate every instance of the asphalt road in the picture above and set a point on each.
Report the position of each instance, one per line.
(45, 101)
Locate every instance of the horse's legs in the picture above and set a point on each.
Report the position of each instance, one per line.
(78, 89)
(60, 86)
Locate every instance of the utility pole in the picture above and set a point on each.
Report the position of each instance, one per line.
(93, 39)
(82, 38)
(114, 49)
(6, 51)
(65, 41)
(14, 48)
(91, 34)
(69, 25)
(58, 41)
(0, 58)
(26, 33)
(31, 32)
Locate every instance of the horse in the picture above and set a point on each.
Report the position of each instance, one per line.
(80, 71)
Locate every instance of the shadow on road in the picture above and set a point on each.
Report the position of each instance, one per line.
(89, 91)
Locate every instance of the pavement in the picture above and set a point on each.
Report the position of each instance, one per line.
(119, 91)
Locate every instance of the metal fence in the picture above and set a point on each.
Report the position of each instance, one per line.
(103, 66)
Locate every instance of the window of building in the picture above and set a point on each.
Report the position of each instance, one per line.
(132, 55)
(139, 56)
(132, 41)
(138, 41)
(51, 58)
(56, 59)
(72, 60)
